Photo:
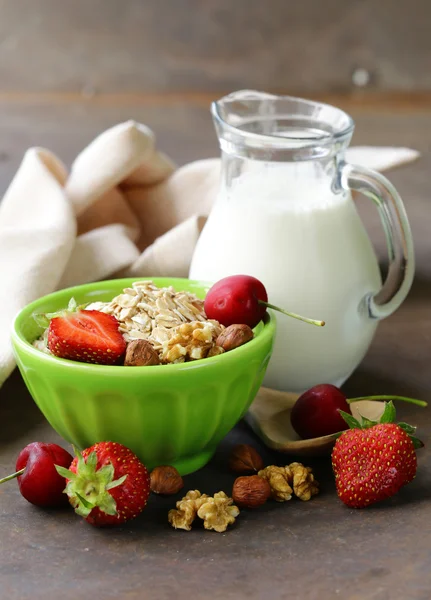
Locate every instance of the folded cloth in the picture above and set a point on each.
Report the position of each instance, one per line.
(124, 210)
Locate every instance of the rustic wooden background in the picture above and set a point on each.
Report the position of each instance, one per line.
(117, 46)
(71, 68)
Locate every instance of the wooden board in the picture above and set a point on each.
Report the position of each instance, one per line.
(100, 46)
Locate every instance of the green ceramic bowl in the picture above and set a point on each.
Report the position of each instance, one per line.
(167, 414)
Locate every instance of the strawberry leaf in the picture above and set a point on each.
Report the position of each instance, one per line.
(350, 420)
(73, 305)
(116, 483)
(417, 443)
(389, 413)
(43, 319)
(84, 468)
(85, 503)
(65, 472)
(367, 423)
(82, 507)
(106, 473)
(91, 461)
(409, 429)
(108, 505)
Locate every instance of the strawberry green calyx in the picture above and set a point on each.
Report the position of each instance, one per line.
(89, 487)
(43, 319)
(388, 416)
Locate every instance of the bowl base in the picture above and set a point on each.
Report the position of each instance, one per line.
(190, 464)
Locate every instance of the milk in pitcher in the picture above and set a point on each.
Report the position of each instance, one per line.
(309, 248)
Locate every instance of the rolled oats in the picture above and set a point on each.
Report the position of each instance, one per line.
(174, 322)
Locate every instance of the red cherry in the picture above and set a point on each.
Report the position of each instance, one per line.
(40, 483)
(235, 299)
(242, 299)
(316, 412)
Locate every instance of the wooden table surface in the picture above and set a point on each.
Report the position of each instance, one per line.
(315, 550)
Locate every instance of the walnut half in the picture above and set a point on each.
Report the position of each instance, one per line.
(291, 479)
(279, 481)
(183, 516)
(218, 512)
(304, 484)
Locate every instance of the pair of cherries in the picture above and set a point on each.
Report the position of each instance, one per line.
(244, 299)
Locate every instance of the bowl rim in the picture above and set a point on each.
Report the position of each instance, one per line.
(19, 340)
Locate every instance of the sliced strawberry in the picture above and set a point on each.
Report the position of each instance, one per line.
(86, 336)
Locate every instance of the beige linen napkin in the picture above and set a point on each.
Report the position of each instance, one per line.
(123, 210)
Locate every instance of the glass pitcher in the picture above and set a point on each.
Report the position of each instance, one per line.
(285, 215)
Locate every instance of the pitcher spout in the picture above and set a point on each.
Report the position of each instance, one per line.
(279, 127)
(233, 107)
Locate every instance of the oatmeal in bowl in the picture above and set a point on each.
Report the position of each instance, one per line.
(157, 325)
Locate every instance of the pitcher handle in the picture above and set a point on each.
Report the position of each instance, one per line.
(398, 237)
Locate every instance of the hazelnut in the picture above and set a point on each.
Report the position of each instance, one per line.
(251, 491)
(165, 480)
(141, 353)
(245, 459)
(234, 336)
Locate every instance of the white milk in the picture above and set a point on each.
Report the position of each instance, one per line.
(310, 249)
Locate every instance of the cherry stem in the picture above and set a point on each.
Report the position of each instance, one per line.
(402, 398)
(9, 477)
(291, 314)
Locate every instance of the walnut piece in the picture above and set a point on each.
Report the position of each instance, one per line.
(190, 341)
(141, 353)
(165, 480)
(283, 479)
(183, 516)
(215, 351)
(304, 484)
(278, 479)
(218, 512)
(234, 336)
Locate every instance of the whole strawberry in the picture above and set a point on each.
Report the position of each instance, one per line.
(107, 484)
(373, 461)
